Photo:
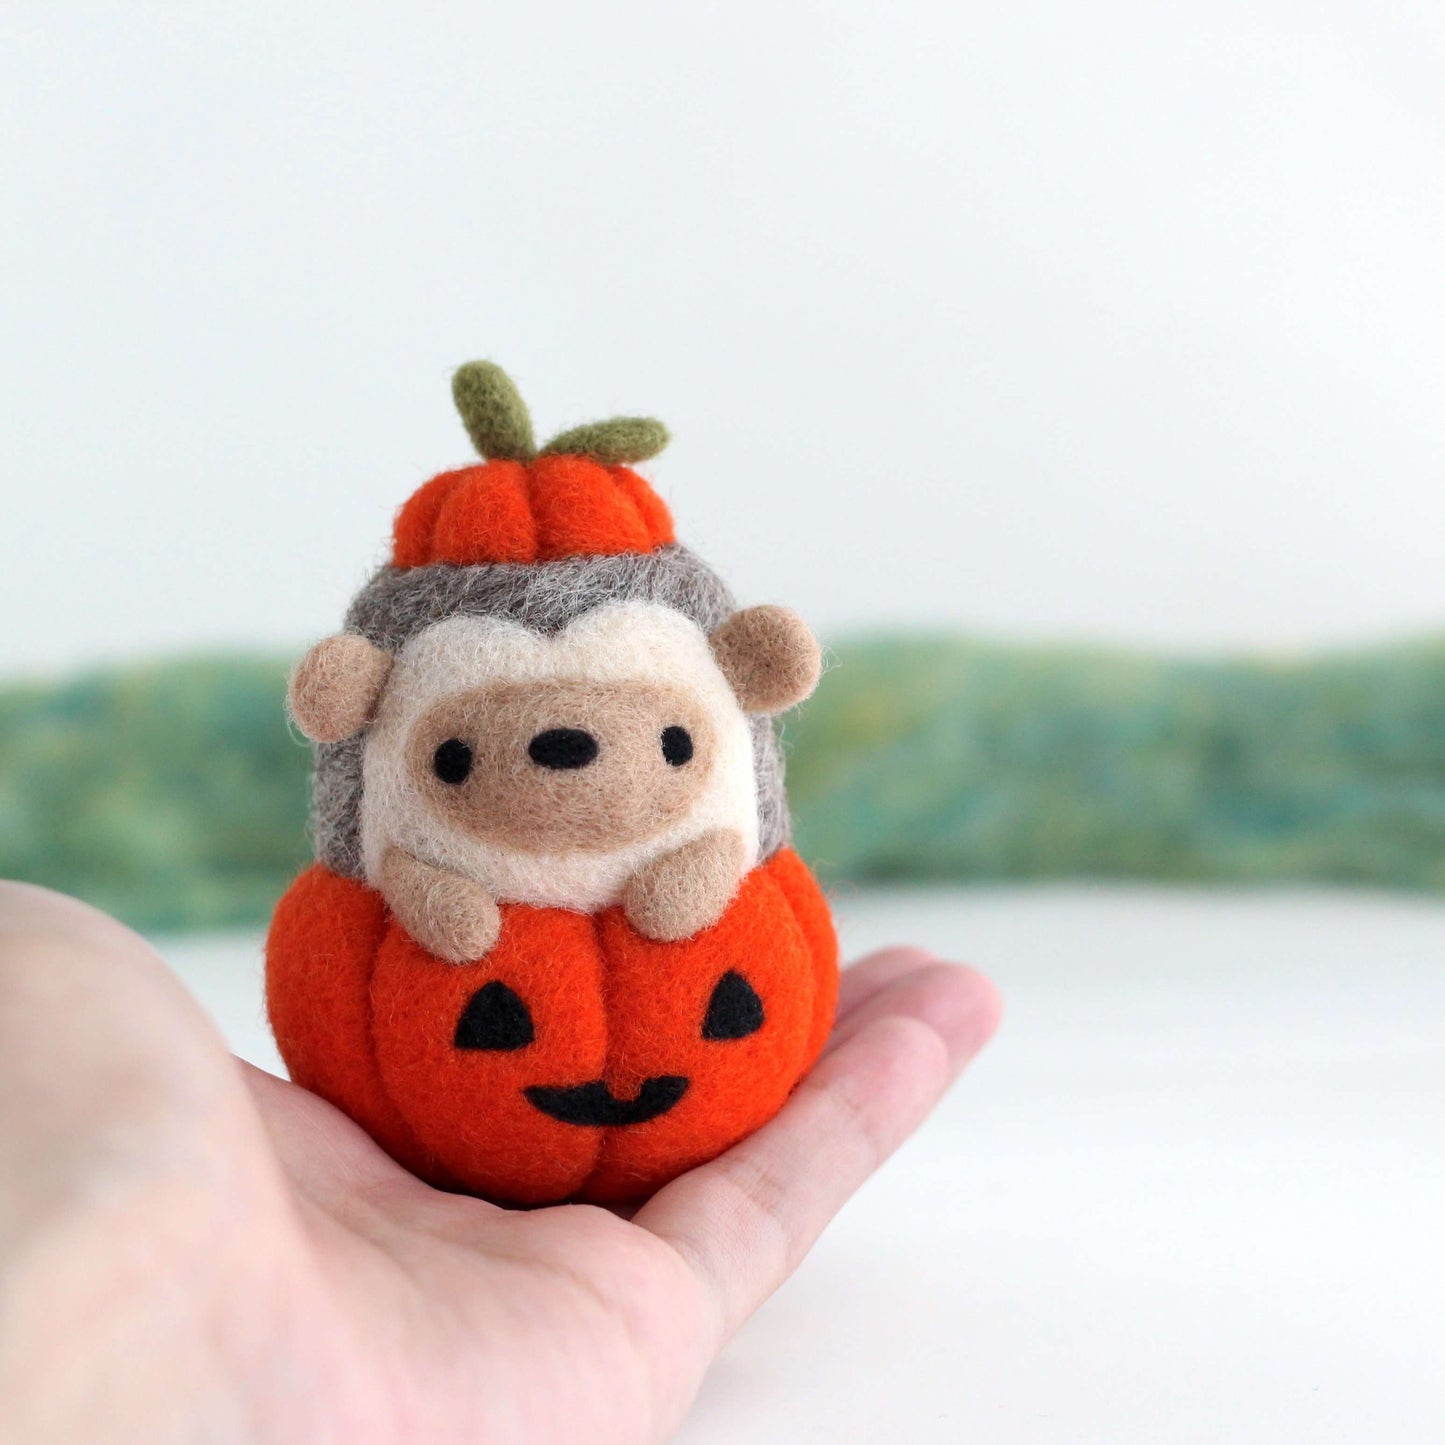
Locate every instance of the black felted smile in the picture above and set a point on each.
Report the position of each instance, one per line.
(596, 1105)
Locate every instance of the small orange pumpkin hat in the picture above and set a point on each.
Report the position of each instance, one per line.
(575, 497)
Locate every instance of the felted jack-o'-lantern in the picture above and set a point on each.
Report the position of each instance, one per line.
(555, 943)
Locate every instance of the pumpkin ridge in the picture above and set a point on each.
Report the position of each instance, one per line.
(469, 1108)
(307, 951)
(433, 1167)
(627, 505)
(738, 1083)
(607, 985)
(414, 530)
(656, 517)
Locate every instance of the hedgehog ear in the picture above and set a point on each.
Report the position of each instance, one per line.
(493, 412)
(334, 689)
(769, 657)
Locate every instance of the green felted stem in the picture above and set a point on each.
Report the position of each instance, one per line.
(493, 412)
(619, 442)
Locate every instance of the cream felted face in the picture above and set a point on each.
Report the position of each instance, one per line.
(551, 769)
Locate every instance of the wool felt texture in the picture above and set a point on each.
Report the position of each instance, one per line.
(495, 1018)
(565, 748)
(571, 838)
(596, 1104)
(492, 410)
(679, 747)
(441, 1072)
(622, 440)
(810, 910)
(334, 688)
(687, 890)
(769, 656)
(452, 917)
(500, 425)
(398, 604)
(323, 935)
(524, 512)
(734, 1011)
(535, 747)
(562, 765)
(452, 761)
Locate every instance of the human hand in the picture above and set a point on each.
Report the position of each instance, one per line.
(193, 1250)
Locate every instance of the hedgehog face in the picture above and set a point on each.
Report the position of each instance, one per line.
(561, 765)
(550, 769)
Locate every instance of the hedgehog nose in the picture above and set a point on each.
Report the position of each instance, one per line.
(562, 748)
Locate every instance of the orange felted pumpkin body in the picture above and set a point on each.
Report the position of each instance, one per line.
(577, 1059)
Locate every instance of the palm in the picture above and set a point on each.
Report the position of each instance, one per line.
(235, 1256)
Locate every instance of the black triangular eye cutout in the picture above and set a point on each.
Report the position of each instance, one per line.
(734, 1011)
(494, 1018)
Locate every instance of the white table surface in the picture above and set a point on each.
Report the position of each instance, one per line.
(1194, 1192)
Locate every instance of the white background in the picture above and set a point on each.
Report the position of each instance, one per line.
(1040, 318)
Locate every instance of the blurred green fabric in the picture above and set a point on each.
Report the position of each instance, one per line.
(949, 759)
(174, 795)
(170, 794)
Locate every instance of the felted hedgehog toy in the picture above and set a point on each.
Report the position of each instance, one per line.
(555, 944)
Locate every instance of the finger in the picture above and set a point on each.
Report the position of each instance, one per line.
(109, 1068)
(876, 970)
(82, 999)
(324, 1153)
(333, 1162)
(926, 992)
(744, 1221)
(318, 1146)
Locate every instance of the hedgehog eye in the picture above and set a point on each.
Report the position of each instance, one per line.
(452, 761)
(677, 745)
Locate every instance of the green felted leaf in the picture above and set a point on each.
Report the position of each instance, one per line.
(617, 442)
(493, 412)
